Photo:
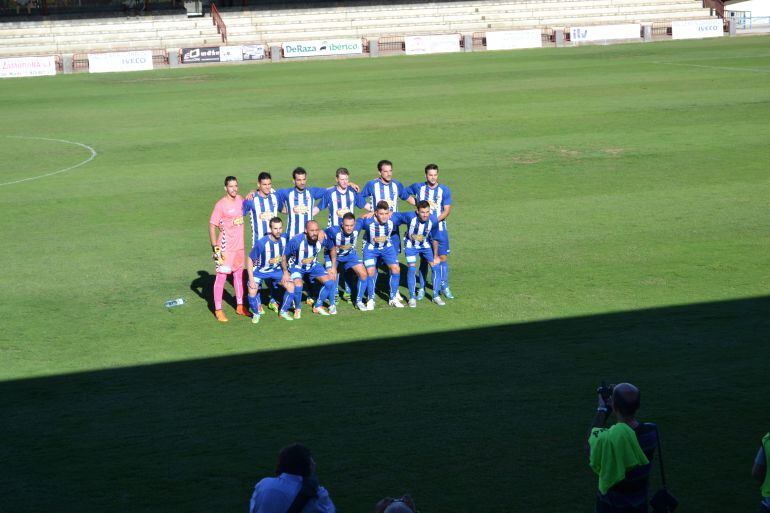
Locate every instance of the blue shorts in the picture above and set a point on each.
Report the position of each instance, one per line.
(387, 254)
(443, 243)
(350, 260)
(395, 239)
(412, 254)
(314, 272)
(276, 276)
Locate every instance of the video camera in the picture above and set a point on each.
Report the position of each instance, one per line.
(605, 391)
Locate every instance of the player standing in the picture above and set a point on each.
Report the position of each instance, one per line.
(378, 246)
(299, 202)
(301, 260)
(385, 188)
(344, 238)
(440, 199)
(261, 207)
(227, 218)
(420, 241)
(264, 264)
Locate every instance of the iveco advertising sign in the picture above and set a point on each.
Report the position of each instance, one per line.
(696, 29)
(119, 61)
(322, 47)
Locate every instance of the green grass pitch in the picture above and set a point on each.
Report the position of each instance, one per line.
(610, 222)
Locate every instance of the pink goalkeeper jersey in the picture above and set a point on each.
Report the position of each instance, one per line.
(228, 217)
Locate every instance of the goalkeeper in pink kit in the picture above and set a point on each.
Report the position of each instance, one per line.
(227, 217)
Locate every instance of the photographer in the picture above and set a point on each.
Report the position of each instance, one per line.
(294, 489)
(621, 455)
(760, 473)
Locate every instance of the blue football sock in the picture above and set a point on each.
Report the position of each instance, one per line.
(332, 289)
(444, 275)
(436, 274)
(394, 279)
(360, 291)
(370, 283)
(297, 297)
(323, 293)
(423, 273)
(254, 302)
(287, 299)
(411, 280)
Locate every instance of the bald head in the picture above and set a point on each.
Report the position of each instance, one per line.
(311, 231)
(398, 507)
(626, 399)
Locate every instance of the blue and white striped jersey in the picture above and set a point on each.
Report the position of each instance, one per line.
(376, 235)
(302, 254)
(437, 197)
(339, 204)
(299, 207)
(418, 234)
(260, 211)
(346, 244)
(266, 253)
(376, 191)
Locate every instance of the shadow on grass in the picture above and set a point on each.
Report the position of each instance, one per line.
(476, 420)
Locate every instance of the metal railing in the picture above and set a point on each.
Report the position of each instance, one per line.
(219, 22)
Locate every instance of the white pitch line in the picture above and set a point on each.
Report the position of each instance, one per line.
(726, 68)
(89, 159)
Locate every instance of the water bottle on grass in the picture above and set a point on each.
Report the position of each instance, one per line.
(171, 303)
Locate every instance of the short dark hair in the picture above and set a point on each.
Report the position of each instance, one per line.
(349, 215)
(229, 179)
(383, 205)
(383, 163)
(264, 175)
(624, 406)
(275, 220)
(429, 167)
(294, 459)
(342, 171)
(298, 171)
(422, 204)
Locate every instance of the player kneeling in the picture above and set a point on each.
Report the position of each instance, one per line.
(301, 259)
(344, 238)
(264, 264)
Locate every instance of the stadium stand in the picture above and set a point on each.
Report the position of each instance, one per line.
(320, 21)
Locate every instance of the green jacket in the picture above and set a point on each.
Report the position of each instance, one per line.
(613, 452)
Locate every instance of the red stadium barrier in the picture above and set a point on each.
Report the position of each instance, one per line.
(391, 44)
(219, 22)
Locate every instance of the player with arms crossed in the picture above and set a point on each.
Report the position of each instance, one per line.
(378, 246)
(301, 260)
(264, 264)
(261, 206)
(420, 241)
(344, 238)
(440, 199)
(227, 218)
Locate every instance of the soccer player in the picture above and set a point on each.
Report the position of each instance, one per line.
(301, 260)
(378, 246)
(344, 238)
(420, 241)
(340, 199)
(264, 263)
(440, 199)
(261, 207)
(227, 218)
(385, 188)
(299, 202)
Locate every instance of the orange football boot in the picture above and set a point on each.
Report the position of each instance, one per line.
(220, 315)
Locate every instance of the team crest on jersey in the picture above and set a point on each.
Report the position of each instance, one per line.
(308, 260)
(417, 237)
(274, 260)
(300, 209)
(433, 205)
(381, 238)
(237, 221)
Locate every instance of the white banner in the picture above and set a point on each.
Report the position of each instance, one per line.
(605, 32)
(230, 53)
(322, 47)
(512, 39)
(119, 61)
(27, 67)
(696, 29)
(253, 52)
(418, 45)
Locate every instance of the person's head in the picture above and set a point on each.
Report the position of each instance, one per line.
(382, 211)
(300, 178)
(265, 182)
(403, 504)
(431, 174)
(295, 459)
(311, 232)
(626, 400)
(276, 227)
(423, 210)
(231, 186)
(385, 167)
(348, 223)
(343, 178)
